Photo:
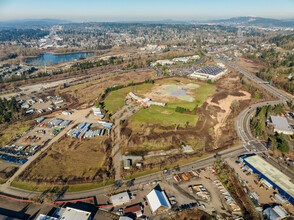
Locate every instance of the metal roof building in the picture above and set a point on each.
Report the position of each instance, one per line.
(71, 214)
(66, 214)
(158, 199)
(275, 213)
(281, 125)
(271, 174)
(209, 72)
(120, 199)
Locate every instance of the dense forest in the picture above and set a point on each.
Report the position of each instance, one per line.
(9, 110)
(19, 35)
(285, 42)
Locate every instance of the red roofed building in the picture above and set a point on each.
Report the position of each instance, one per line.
(135, 209)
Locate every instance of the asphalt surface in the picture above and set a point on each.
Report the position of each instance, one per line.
(249, 145)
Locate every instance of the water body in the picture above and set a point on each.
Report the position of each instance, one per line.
(50, 58)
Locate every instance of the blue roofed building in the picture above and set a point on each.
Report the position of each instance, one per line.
(272, 175)
(158, 200)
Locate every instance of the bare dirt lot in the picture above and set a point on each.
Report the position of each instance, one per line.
(225, 110)
(250, 65)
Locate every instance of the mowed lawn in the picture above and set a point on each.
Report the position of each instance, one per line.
(70, 158)
(164, 116)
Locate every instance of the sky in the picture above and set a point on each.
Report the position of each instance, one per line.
(143, 10)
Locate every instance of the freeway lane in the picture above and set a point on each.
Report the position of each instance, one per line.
(279, 94)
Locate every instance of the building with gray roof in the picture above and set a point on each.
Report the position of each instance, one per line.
(281, 125)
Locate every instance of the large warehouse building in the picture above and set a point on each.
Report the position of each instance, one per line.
(271, 174)
(209, 72)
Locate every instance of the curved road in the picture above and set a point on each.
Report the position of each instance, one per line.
(249, 144)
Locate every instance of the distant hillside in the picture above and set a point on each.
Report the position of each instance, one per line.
(256, 21)
(30, 23)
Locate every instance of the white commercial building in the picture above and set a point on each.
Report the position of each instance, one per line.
(66, 214)
(158, 199)
(163, 62)
(120, 199)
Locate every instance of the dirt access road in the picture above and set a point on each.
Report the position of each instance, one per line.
(122, 114)
(77, 117)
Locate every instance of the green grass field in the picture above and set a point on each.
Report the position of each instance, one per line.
(164, 116)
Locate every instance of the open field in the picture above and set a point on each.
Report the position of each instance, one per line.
(88, 92)
(68, 158)
(175, 92)
(164, 116)
(182, 92)
(250, 65)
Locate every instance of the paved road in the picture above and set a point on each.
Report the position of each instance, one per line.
(140, 181)
(250, 143)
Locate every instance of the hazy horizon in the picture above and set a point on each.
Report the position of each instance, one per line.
(152, 10)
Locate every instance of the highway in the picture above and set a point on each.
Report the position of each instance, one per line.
(249, 145)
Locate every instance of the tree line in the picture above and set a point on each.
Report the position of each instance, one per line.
(9, 110)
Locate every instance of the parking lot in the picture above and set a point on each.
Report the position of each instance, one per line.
(185, 195)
